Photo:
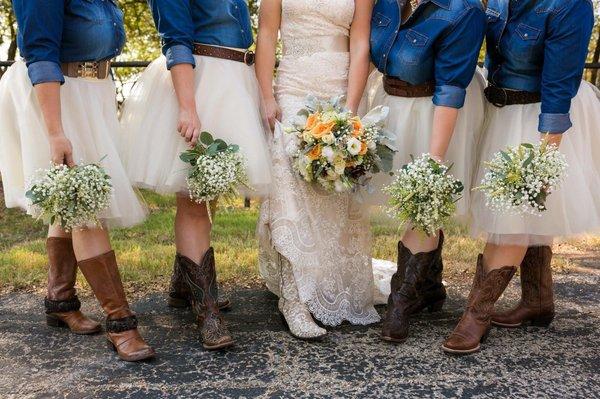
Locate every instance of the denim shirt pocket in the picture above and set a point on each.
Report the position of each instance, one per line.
(379, 24)
(413, 48)
(241, 14)
(524, 43)
(87, 10)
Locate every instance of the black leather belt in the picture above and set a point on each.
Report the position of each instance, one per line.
(501, 97)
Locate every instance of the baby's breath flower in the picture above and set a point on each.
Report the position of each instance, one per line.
(519, 179)
(71, 197)
(424, 194)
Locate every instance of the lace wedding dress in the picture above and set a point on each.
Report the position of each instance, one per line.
(314, 245)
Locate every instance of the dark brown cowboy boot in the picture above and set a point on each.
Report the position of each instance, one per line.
(474, 326)
(202, 283)
(537, 299)
(102, 274)
(414, 287)
(179, 292)
(61, 302)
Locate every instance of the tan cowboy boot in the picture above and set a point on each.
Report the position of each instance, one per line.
(474, 326)
(202, 282)
(61, 302)
(537, 299)
(179, 292)
(416, 285)
(103, 276)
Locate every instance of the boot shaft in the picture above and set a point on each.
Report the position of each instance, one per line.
(487, 289)
(201, 280)
(102, 274)
(62, 269)
(536, 278)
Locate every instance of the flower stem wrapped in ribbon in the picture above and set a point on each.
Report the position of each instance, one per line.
(338, 150)
(424, 194)
(519, 179)
(72, 197)
(217, 170)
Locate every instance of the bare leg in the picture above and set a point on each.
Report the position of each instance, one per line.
(418, 242)
(192, 228)
(89, 243)
(57, 231)
(497, 256)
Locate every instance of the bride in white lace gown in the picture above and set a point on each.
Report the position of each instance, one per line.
(314, 245)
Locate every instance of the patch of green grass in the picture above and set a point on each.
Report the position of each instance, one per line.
(146, 252)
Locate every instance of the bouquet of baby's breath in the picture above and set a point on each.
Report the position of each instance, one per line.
(217, 170)
(72, 197)
(339, 150)
(519, 179)
(424, 194)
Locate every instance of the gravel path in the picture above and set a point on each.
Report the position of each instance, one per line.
(560, 362)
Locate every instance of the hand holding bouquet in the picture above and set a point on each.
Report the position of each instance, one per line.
(519, 179)
(72, 197)
(336, 149)
(217, 169)
(424, 194)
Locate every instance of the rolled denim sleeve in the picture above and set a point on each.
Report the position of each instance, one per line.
(173, 19)
(40, 25)
(456, 58)
(569, 33)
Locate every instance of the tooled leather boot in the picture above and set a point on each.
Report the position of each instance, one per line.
(102, 274)
(179, 292)
(537, 299)
(202, 283)
(61, 303)
(474, 325)
(414, 287)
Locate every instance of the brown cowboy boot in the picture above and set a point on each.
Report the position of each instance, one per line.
(202, 283)
(61, 302)
(414, 287)
(179, 292)
(103, 276)
(537, 299)
(474, 326)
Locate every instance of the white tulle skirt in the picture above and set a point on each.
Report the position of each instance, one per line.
(89, 117)
(574, 208)
(411, 119)
(229, 107)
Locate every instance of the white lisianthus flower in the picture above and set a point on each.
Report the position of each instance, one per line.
(328, 153)
(354, 145)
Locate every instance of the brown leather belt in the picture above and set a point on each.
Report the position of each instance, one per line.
(501, 97)
(93, 70)
(400, 88)
(246, 57)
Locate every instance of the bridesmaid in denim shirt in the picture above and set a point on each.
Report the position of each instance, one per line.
(427, 52)
(204, 82)
(58, 105)
(536, 50)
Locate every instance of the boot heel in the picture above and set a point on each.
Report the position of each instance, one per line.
(111, 346)
(436, 307)
(178, 302)
(53, 321)
(543, 321)
(485, 336)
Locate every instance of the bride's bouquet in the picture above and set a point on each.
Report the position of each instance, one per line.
(336, 149)
(519, 179)
(217, 170)
(424, 194)
(72, 197)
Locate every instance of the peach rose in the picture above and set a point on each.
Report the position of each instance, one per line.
(322, 129)
(315, 153)
(312, 121)
(363, 148)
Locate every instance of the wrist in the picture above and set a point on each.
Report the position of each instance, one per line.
(188, 106)
(56, 133)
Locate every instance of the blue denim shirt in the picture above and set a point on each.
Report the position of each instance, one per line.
(439, 42)
(540, 46)
(181, 23)
(55, 31)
